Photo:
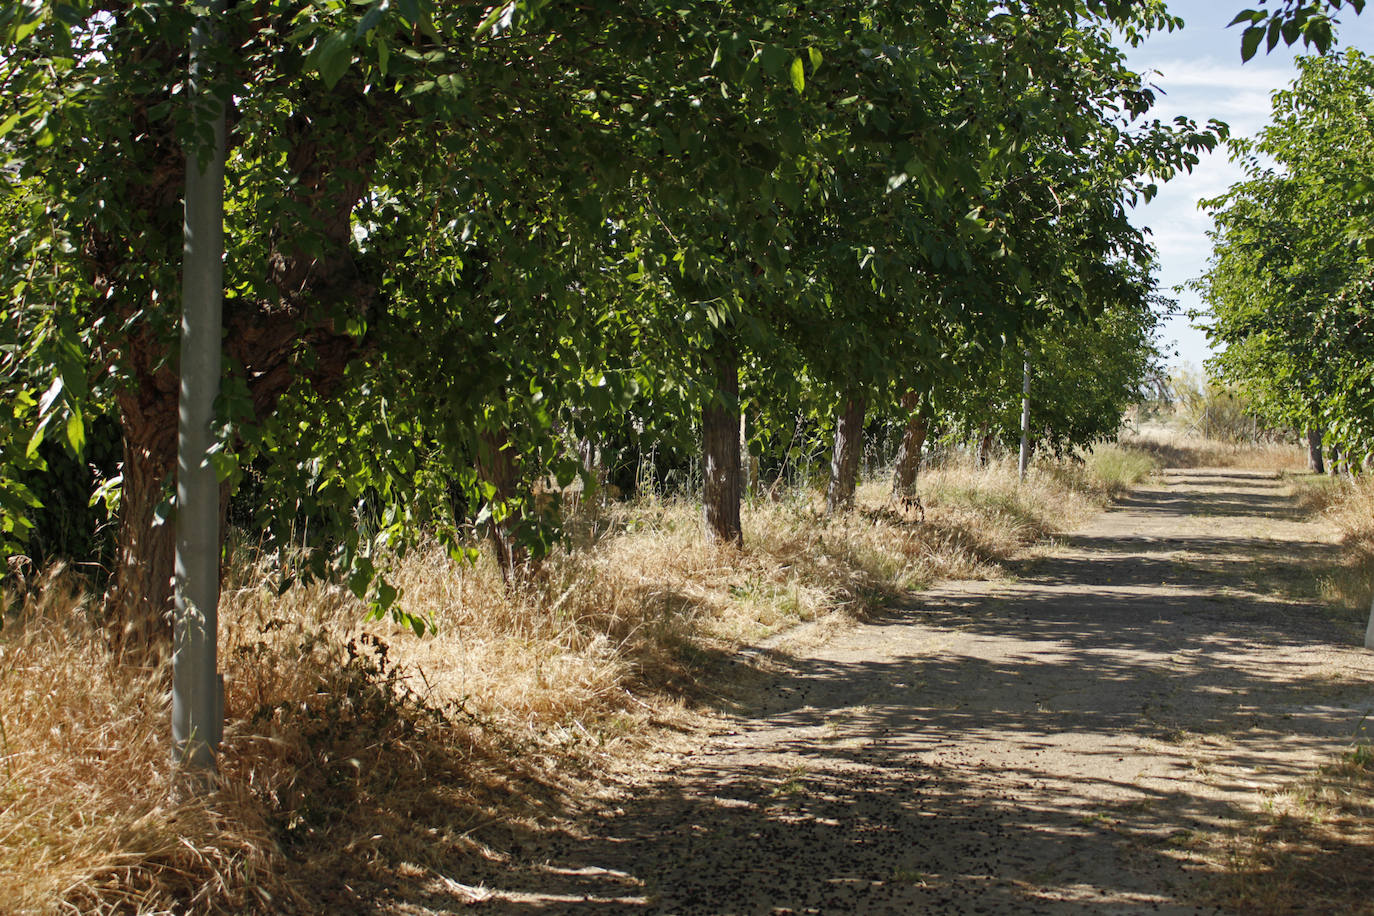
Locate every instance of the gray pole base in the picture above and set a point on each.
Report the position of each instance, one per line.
(197, 690)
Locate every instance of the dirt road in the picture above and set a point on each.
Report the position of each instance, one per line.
(1052, 743)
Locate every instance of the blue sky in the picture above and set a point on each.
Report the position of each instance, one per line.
(1202, 76)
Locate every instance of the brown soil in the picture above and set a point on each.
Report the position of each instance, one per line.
(1060, 742)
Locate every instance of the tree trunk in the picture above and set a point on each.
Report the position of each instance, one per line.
(497, 465)
(1333, 466)
(314, 277)
(844, 462)
(723, 483)
(909, 454)
(140, 594)
(984, 445)
(1314, 452)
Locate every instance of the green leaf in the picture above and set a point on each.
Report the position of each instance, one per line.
(386, 593)
(333, 57)
(501, 12)
(1250, 41)
(370, 20)
(383, 55)
(798, 75)
(790, 194)
(360, 576)
(450, 84)
(773, 59)
(76, 432)
(226, 465)
(49, 399)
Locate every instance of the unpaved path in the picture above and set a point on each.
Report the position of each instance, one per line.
(1049, 744)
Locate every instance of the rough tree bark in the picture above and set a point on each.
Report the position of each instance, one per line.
(497, 464)
(140, 594)
(844, 461)
(722, 486)
(909, 454)
(1314, 452)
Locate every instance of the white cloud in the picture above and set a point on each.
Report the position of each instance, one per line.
(1210, 73)
(1201, 75)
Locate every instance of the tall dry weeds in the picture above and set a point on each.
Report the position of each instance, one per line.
(1172, 447)
(1348, 503)
(89, 816)
(355, 754)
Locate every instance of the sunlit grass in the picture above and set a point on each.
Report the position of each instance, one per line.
(1348, 503)
(356, 751)
(1120, 468)
(1173, 447)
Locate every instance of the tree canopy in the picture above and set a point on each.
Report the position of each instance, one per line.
(1288, 287)
(463, 243)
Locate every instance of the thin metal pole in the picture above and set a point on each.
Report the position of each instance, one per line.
(1025, 414)
(197, 690)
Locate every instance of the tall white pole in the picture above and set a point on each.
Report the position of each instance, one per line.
(1025, 414)
(197, 690)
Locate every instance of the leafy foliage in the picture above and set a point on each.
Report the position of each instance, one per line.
(465, 246)
(1311, 21)
(1289, 283)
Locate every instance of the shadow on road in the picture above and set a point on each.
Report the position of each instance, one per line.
(866, 786)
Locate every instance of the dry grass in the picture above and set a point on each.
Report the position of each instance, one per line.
(1171, 447)
(1349, 505)
(89, 820)
(1119, 468)
(356, 756)
(1312, 851)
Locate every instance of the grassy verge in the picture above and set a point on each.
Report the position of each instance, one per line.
(1309, 848)
(1120, 467)
(1348, 504)
(1171, 447)
(357, 757)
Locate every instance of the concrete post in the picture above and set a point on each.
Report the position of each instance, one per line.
(1025, 415)
(197, 691)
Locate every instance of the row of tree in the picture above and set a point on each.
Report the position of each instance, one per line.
(467, 249)
(1290, 288)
